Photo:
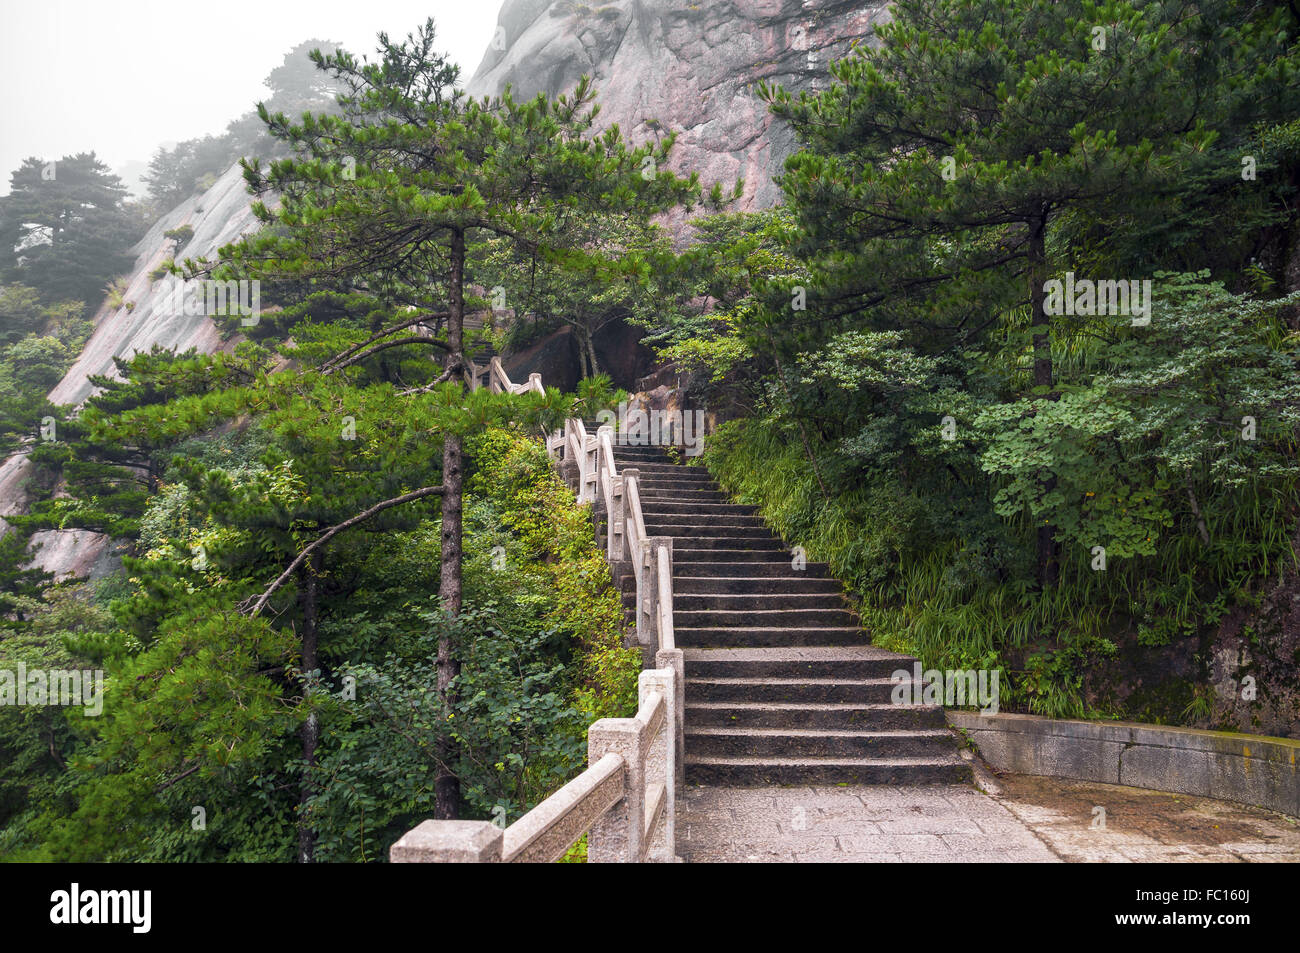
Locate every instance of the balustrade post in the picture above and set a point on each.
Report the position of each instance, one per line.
(663, 752)
(627, 478)
(647, 597)
(657, 543)
(675, 660)
(449, 842)
(617, 836)
(590, 473)
(584, 468)
(614, 540)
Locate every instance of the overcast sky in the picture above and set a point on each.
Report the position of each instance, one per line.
(122, 77)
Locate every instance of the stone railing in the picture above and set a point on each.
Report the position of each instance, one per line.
(626, 800)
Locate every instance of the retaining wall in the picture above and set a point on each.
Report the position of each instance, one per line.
(1250, 769)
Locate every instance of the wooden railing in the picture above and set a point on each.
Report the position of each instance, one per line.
(626, 800)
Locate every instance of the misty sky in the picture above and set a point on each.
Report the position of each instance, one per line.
(122, 77)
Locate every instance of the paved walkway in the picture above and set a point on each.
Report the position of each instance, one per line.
(1030, 820)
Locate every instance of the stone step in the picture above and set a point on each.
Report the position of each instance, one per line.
(757, 593)
(755, 771)
(709, 544)
(663, 494)
(769, 562)
(702, 524)
(663, 488)
(749, 602)
(631, 442)
(814, 715)
(690, 510)
(774, 569)
(671, 473)
(764, 618)
(781, 686)
(707, 741)
(716, 533)
(755, 585)
(769, 637)
(860, 661)
(864, 691)
(709, 550)
(623, 460)
(664, 470)
(672, 484)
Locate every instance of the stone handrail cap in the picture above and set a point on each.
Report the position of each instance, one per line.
(449, 842)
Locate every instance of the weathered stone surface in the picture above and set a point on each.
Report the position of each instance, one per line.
(1251, 769)
(81, 553)
(545, 833)
(662, 66)
(449, 842)
(619, 353)
(844, 824)
(1034, 820)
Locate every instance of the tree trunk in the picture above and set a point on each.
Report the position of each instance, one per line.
(582, 356)
(589, 340)
(447, 785)
(309, 601)
(1048, 566)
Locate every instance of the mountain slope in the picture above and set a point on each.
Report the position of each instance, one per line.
(660, 66)
(217, 216)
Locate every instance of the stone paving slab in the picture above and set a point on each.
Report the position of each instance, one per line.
(1030, 820)
(1147, 826)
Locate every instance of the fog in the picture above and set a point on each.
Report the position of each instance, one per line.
(123, 79)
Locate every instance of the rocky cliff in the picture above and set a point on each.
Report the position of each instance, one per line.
(217, 216)
(664, 65)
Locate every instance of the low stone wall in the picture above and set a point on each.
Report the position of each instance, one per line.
(1250, 769)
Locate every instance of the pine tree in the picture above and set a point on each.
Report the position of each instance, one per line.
(391, 196)
(937, 167)
(63, 228)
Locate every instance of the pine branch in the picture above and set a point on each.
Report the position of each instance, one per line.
(400, 342)
(400, 326)
(330, 534)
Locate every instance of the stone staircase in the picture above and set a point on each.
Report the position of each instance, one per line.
(479, 352)
(781, 687)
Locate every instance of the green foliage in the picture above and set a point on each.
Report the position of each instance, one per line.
(1163, 420)
(203, 709)
(918, 420)
(596, 394)
(46, 632)
(64, 229)
(180, 235)
(21, 312)
(40, 344)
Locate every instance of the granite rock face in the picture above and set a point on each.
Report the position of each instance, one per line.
(665, 65)
(218, 216)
